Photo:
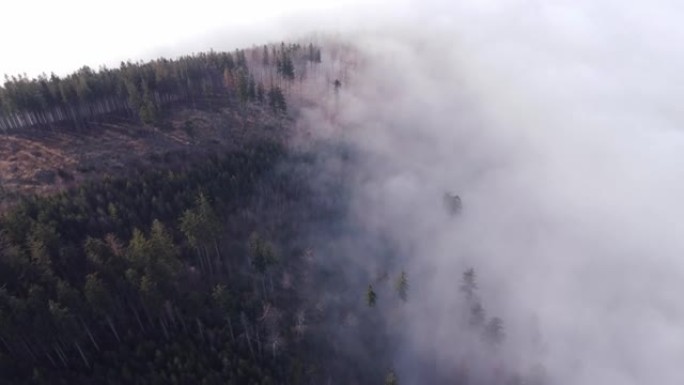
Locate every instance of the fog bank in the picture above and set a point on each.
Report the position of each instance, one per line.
(558, 125)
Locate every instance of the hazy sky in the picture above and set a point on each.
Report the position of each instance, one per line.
(60, 36)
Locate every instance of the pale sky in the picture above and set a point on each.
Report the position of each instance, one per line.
(47, 35)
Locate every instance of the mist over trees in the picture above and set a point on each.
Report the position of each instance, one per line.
(245, 267)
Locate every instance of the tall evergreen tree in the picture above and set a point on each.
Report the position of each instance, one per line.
(402, 286)
(371, 297)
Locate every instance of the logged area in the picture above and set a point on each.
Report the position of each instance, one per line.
(42, 161)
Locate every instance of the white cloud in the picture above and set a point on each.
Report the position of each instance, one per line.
(559, 124)
(44, 35)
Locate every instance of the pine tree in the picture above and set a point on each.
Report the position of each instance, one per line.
(261, 253)
(469, 284)
(264, 58)
(260, 93)
(494, 332)
(276, 99)
(477, 314)
(243, 86)
(371, 297)
(452, 203)
(391, 378)
(97, 294)
(149, 112)
(402, 286)
(251, 89)
(286, 67)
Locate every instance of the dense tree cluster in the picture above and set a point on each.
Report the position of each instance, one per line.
(142, 90)
(193, 276)
(203, 274)
(132, 281)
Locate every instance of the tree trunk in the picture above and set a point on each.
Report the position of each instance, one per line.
(111, 326)
(85, 360)
(230, 329)
(60, 354)
(92, 339)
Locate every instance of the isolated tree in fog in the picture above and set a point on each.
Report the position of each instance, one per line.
(477, 314)
(453, 203)
(276, 99)
(469, 284)
(402, 286)
(391, 378)
(370, 296)
(494, 332)
(285, 66)
(469, 289)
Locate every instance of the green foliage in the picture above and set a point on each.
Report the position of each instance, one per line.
(84, 301)
(261, 253)
(285, 66)
(141, 90)
(200, 224)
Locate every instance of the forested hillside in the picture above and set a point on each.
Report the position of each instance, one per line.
(143, 90)
(217, 249)
(59, 132)
(195, 271)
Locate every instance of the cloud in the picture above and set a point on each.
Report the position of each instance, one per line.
(557, 123)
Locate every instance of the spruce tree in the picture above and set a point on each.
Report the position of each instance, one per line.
(402, 286)
(371, 297)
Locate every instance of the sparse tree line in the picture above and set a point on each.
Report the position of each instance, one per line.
(142, 90)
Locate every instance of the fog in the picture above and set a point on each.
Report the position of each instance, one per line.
(44, 36)
(558, 125)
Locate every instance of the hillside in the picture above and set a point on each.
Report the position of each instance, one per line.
(192, 221)
(42, 162)
(60, 131)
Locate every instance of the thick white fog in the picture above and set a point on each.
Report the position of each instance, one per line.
(559, 125)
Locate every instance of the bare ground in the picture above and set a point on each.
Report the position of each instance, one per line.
(44, 161)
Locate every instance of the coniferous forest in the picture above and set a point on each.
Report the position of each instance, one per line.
(341, 192)
(222, 270)
(197, 275)
(142, 90)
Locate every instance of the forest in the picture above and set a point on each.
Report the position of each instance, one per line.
(142, 90)
(222, 271)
